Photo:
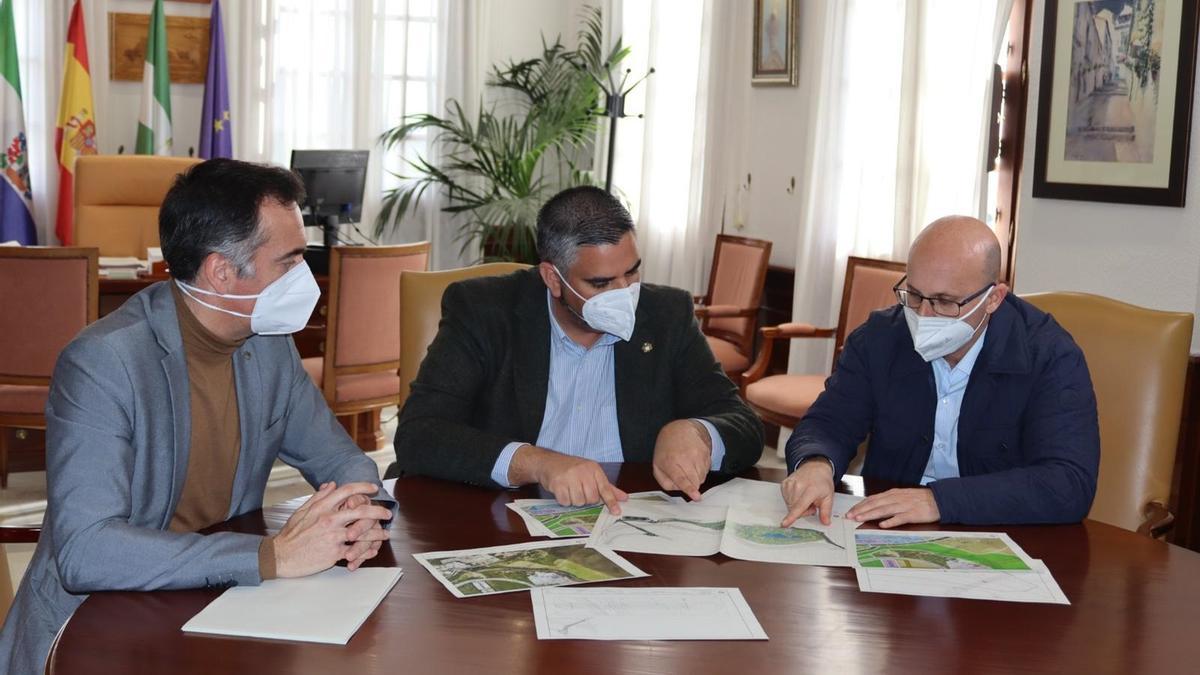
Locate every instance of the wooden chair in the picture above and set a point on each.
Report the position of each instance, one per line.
(421, 303)
(783, 399)
(117, 199)
(357, 371)
(727, 312)
(48, 295)
(1138, 361)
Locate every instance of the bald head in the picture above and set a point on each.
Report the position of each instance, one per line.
(959, 243)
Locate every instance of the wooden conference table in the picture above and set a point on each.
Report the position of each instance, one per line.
(1135, 606)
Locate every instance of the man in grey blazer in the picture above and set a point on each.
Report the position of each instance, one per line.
(167, 415)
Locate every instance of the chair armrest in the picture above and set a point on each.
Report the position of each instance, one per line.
(788, 331)
(1159, 520)
(19, 535)
(784, 331)
(724, 311)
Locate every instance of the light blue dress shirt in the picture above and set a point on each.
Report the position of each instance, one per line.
(581, 404)
(951, 386)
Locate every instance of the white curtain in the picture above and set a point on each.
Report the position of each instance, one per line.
(901, 89)
(661, 162)
(333, 74)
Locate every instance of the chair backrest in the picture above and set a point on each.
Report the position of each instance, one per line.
(1138, 361)
(868, 287)
(739, 272)
(117, 199)
(363, 333)
(48, 294)
(421, 302)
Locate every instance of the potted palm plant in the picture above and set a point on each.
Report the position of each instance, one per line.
(498, 168)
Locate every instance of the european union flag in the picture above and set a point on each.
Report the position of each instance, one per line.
(216, 129)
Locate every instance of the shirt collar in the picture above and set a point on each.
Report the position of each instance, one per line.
(967, 363)
(561, 335)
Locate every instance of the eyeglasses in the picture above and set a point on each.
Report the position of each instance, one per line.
(940, 306)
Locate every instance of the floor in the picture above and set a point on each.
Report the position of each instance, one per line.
(24, 501)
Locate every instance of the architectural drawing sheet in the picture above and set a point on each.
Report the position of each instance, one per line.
(977, 565)
(701, 529)
(1033, 585)
(520, 567)
(746, 492)
(643, 614)
(548, 518)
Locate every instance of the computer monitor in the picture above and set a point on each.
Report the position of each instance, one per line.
(334, 181)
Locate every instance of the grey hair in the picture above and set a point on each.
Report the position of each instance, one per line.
(240, 252)
(579, 216)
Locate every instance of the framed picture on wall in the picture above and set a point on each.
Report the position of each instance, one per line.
(1115, 100)
(775, 33)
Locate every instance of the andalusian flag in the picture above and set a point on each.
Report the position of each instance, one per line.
(154, 119)
(16, 199)
(76, 134)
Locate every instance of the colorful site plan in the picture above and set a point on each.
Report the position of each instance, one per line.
(939, 550)
(520, 567)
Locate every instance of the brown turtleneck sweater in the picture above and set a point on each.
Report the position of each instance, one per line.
(216, 431)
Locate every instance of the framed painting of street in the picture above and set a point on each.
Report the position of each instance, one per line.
(1115, 100)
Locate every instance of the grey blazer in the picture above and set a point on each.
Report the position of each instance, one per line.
(118, 427)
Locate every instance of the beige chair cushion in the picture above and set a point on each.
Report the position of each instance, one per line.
(732, 361)
(786, 394)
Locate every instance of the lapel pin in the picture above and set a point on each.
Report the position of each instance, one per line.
(647, 347)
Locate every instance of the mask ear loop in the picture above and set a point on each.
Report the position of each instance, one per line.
(185, 289)
(564, 302)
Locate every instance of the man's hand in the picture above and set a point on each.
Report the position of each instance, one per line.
(809, 488)
(317, 534)
(898, 506)
(366, 547)
(682, 457)
(572, 480)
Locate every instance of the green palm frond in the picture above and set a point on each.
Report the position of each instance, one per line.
(498, 168)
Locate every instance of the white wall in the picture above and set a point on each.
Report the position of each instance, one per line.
(117, 102)
(772, 121)
(1144, 255)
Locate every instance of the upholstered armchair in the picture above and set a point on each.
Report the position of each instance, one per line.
(1138, 361)
(728, 311)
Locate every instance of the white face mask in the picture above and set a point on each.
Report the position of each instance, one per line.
(936, 336)
(612, 311)
(283, 307)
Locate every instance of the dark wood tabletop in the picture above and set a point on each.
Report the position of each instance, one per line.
(1135, 608)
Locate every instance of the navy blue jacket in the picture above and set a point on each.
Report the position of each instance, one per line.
(1028, 436)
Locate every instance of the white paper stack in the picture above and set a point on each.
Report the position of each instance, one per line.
(328, 607)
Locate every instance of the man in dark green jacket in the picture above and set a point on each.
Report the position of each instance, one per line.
(539, 376)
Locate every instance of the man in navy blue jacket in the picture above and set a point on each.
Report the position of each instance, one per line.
(968, 391)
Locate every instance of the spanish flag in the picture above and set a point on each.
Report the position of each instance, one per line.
(76, 122)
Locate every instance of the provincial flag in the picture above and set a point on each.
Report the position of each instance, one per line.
(16, 198)
(154, 117)
(216, 129)
(76, 133)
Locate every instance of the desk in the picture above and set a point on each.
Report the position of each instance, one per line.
(1134, 611)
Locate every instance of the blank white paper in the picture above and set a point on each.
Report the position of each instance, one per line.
(327, 607)
(643, 614)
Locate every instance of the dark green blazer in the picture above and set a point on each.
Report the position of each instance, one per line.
(483, 383)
